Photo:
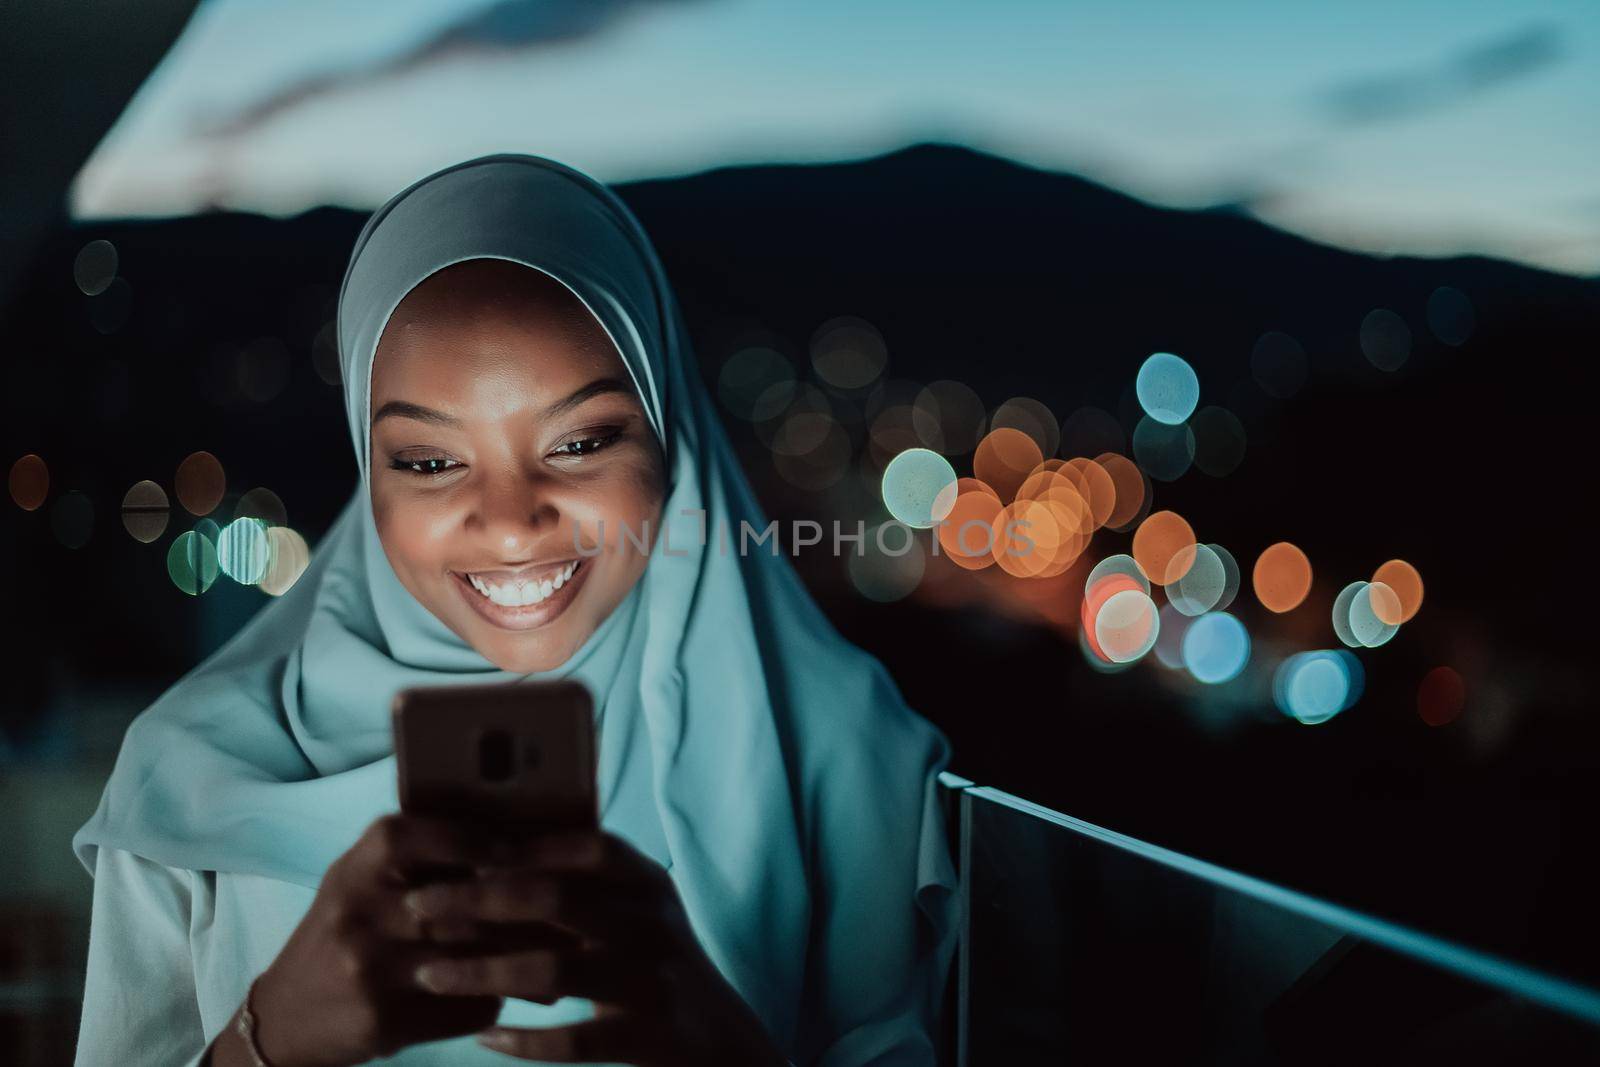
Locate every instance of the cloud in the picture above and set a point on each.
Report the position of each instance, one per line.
(501, 28)
(1461, 76)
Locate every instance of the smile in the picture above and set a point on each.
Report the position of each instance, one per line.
(522, 602)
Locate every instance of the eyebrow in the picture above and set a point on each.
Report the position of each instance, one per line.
(404, 409)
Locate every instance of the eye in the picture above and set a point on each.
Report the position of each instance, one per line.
(584, 446)
(427, 466)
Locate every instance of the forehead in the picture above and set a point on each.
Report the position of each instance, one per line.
(489, 319)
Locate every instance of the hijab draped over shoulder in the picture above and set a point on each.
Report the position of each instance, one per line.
(773, 766)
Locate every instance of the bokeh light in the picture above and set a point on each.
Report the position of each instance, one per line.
(72, 519)
(1133, 490)
(1168, 648)
(1385, 339)
(289, 557)
(95, 267)
(1199, 589)
(969, 533)
(1341, 613)
(1095, 485)
(1004, 459)
(1219, 441)
(1279, 364)
(1441, 696)
(1123, 565)
(1230, 566)
(949, 417)
(1313, 687)
(889, 565)
(1216, 648)
(1368, 607)
(1406, 583)
(1282, 577)
(1126, 626)
(1164, 452)
(262, 503)
(811, 451)
(1094, 658)
(30, 482)
(1031, 417)
(200, 483)
(145, 511)
(244, 550)
(975, 485)
(919, 487)
(192, 562)
(1450, 315)
(1167, 388)
(1164, 547)
(756, 383)
(848, 352)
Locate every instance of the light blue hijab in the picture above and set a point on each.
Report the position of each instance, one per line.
(769, 764)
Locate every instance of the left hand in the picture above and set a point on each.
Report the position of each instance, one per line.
(629, 948)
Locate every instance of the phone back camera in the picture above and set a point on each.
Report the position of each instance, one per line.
(495, 756)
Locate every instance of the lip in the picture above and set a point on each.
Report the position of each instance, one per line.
(525, 616)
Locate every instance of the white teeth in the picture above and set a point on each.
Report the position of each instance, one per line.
(520, 594)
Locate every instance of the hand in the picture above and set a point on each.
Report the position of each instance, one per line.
(659, 999)
(340, 991)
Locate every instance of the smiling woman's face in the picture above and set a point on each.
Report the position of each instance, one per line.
(506, 434)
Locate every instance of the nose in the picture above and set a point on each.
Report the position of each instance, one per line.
(514, 512)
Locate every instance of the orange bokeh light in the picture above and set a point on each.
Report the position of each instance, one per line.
(1128, 482)
(200, 483)
(30, 482)
(1282, 577)
(1403, 578)
(1004, 459)
(1095, 599)
(1164, 547)
(1095, 483)
(974, 485)
(969, 533)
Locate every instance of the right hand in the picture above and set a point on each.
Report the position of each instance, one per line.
(342, 989)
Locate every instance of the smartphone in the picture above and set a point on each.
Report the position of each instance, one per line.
(520, 753)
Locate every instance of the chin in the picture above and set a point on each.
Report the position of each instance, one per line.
(543, 654)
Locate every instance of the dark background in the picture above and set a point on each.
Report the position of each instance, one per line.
(1472, 461)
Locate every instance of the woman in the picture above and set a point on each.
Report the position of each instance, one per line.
(770, 882)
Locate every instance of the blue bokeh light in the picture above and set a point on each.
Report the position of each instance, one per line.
(1313, 687)
(1216, 647)
(1167, 388)
(919, 487)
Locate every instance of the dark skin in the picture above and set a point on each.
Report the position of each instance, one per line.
(424, 926)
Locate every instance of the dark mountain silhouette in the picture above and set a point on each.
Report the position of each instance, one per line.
(1470, 461)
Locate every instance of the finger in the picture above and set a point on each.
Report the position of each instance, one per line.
(597, 911)
(546, 976)
(613, 1039)
(593, 852)
(401, 845)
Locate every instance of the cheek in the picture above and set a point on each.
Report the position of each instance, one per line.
(628, 497)
(414, 530)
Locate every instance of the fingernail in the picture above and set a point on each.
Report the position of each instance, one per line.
(426, 902)
(431, 976)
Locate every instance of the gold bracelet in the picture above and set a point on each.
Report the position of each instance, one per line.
(246, 1027)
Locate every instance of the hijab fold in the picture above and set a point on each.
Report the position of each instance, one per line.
(769, 764)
